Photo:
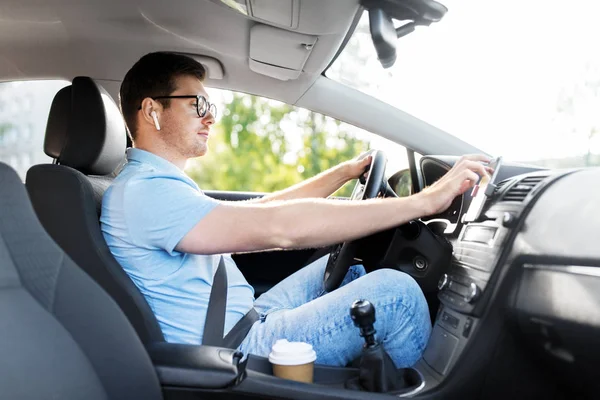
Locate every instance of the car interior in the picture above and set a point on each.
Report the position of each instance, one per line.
(509, 270)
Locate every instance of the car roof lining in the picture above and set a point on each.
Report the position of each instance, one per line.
(78, 38)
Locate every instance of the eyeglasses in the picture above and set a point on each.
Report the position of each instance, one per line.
(202, 105)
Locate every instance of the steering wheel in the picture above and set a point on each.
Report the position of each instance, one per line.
(369, 185)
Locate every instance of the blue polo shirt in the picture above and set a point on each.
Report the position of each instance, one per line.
(148, 209)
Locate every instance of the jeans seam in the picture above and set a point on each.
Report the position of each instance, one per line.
(417, 343)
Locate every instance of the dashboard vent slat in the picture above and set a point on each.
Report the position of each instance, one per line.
(500, 185)
(519, 191)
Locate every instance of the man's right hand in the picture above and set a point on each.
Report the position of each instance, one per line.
(463, 176)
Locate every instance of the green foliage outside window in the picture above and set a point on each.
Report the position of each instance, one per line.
(4, 128)
(249, 150)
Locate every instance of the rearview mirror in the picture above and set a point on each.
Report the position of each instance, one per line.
(381, 16)
(384, 36)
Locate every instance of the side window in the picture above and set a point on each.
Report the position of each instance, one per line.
(262, 145)
(24, 108)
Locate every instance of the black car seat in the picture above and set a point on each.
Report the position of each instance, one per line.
(86, 136)
(62, 336)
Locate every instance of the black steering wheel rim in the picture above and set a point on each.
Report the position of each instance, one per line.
(369, 186)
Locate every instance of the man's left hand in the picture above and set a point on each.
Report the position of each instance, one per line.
(356, 167)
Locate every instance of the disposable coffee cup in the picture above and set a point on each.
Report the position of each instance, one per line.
(293, 360)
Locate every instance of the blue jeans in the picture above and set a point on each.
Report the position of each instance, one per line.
(298, 309)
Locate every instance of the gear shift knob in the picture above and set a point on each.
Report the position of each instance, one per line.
(362, 313)
(377, 372)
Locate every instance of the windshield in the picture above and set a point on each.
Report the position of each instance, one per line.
(514, 78)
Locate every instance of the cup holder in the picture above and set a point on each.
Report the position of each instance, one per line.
(337, 376)
(414, 382)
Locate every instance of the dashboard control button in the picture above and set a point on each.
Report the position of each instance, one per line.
(508, 220)
(450, 320)
(420, 263)
(473, 293)
(467, 328)
(443, 282)
(460, 279)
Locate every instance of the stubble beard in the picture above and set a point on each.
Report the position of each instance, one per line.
(186, 145)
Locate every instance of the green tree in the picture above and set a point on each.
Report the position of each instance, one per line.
(4, 127)
(251, 152)
(246, 151)
(327, 143)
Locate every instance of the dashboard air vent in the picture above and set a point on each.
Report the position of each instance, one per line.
(521, 189)
(500, 184)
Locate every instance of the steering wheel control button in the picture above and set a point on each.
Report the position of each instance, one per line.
(508, 220)
(443, 282)
(420, 263)
(472, 293)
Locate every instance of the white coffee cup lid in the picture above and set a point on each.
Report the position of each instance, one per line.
(291, 353)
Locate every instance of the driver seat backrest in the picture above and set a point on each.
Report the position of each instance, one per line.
(62, 336)
(87, 138)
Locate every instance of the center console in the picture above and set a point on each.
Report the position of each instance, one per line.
(477, 252)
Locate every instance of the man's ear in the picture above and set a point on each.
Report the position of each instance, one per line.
(151, 112)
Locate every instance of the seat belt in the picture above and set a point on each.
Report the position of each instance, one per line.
(214, 324)
(215, 315)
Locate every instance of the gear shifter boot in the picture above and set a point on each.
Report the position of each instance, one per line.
(377, 372)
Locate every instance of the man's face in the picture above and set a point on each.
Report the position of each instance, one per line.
(181, 128)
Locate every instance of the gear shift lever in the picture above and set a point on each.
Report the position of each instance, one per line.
(363, 314)
(377, 372)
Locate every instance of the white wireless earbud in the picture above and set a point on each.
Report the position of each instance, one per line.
(155, 118)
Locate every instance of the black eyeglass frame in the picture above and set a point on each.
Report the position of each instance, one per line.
(200, 100)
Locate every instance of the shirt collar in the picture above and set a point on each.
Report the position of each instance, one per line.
(158, 163)
(145, 157)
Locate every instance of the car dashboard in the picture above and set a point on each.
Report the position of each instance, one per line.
(478, 245)
(528, 265)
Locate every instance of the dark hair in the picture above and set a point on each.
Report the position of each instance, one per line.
(154, 75)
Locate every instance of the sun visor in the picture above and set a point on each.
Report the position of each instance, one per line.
(213, 67)
(284, 13)
(280, 12)
(279, 53)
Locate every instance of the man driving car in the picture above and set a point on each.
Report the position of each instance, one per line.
(169, 236)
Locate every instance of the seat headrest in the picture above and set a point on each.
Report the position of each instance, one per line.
(86, 130)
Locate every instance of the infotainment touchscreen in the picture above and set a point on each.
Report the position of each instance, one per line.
(483, 190)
